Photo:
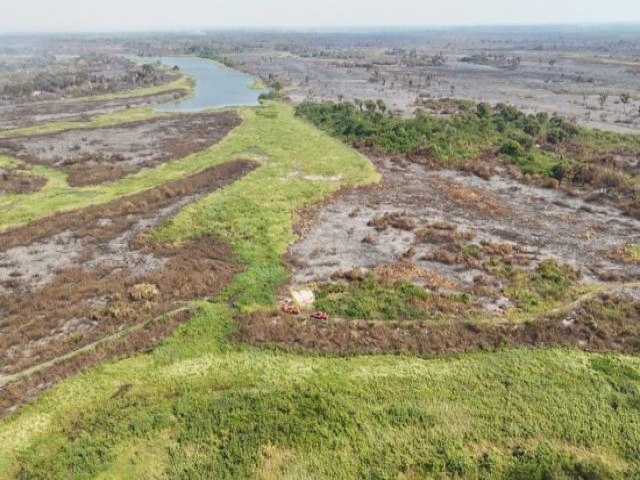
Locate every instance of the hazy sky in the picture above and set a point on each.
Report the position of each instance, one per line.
(102, 15)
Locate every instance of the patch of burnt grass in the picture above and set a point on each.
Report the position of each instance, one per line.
(628, 253)
(606, 322)
(435, 234)
(17, 181)
(93, 157)
(530, 289)
(615, 309)
(393, 220)
(370, 298)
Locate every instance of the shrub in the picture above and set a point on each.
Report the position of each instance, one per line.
(511, 148)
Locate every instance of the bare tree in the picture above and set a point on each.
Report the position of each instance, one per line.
(624, 98)
(602, 98)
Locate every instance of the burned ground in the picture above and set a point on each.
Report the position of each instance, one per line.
(556, 75)
(13, 180)
(104, 154)
(502, 262)
(27, 114)
(74, 278)
(450, 210)
(48, 77)
(607, 322)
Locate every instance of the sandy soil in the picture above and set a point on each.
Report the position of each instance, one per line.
(105, 154)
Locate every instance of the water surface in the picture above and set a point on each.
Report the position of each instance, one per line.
(216, 85)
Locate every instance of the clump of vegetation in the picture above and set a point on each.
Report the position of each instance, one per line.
(14, 180)
(373, 297)
(539, 146)
(495, 60)
(144, 292)
(393, 220)
(465, 134)
(627, 253)
(370, 299)
(633, 252)
(550, 282)
(612, 308)
(211, 53)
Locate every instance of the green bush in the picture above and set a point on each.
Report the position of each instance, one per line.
(511, 148)
(370, 299)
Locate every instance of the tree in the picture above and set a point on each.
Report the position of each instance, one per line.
(483, 110)
(602, 98)
(370, 105)
(515, 62)
(624, 98)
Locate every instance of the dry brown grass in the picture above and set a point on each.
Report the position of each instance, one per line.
(405, 270)
(83, 303)
(14, 181)
(434, 235)
(25, 388)
(159, 141)
(472, 198)
(393, 220)
(589, 329)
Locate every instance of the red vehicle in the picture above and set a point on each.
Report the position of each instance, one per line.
(320, 315)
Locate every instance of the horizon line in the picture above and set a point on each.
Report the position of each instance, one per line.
(315, 28)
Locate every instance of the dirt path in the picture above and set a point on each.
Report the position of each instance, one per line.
(16, 377)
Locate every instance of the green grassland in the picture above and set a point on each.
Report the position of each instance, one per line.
(201, 407)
